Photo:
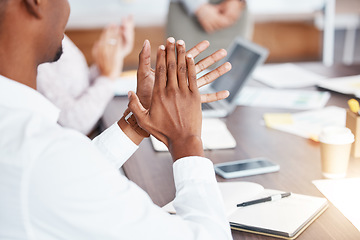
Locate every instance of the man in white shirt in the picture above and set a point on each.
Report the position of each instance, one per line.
(82, 93)
(57, 184)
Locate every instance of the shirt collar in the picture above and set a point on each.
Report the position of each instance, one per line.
(19, 96)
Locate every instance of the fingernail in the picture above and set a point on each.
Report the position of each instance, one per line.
(228, 66)
(181, 42)
(189, 56)
(162, 47)
(171, 40)
(144, 43)
(129, 94)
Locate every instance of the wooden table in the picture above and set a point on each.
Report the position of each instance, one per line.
(298, 158)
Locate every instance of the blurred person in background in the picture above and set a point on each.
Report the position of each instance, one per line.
(218, 21)
(80, 92)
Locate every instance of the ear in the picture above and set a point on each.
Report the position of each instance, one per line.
(34, 7)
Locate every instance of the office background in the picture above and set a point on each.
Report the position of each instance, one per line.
(289, 35)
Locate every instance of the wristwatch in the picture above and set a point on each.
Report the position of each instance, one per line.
(130, 119)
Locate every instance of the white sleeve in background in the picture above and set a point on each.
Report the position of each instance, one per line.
(68, 84)
(192, 5)
(82, 113)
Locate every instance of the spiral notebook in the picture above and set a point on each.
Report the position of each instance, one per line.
(286, 218)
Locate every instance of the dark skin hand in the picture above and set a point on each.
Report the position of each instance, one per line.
(146, 78)
(146, 75)
(175, 115)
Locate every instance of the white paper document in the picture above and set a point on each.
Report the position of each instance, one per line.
(286, 75)
(214, 135)
(275, 98)
(125, 83)
(309, 124)
(346, 85)
(345, 195)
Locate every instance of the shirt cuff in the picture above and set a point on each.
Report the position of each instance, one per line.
(193, 169)
(115, 145)
(192, 6)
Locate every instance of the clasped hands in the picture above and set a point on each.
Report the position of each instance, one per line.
(214, 17)
(168, 103)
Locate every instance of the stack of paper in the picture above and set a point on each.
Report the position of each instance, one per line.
(290, 99)
(346, 85)
(307, 124)
(286, 75)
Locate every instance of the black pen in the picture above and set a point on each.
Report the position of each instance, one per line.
(267, 199)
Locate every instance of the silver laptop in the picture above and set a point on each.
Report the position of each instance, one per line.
(244, 57)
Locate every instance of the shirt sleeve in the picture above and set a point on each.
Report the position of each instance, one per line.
(73, 193)
(115, 145)
(192, 5)
(198, 197)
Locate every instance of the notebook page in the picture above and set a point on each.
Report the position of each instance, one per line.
(236, 192)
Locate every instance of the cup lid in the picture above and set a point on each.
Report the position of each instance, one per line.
(336, 135)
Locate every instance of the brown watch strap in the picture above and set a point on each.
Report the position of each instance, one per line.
(131, 120)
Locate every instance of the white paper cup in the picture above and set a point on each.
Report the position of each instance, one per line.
(335, 146)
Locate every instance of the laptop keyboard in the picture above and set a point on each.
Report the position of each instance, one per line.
(206, 106)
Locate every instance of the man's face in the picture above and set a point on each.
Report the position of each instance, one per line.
(54, 26)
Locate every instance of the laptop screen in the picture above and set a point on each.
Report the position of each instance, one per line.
(243, 61)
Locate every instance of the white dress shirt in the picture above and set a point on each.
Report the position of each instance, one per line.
(77, 90)
(57, 184)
